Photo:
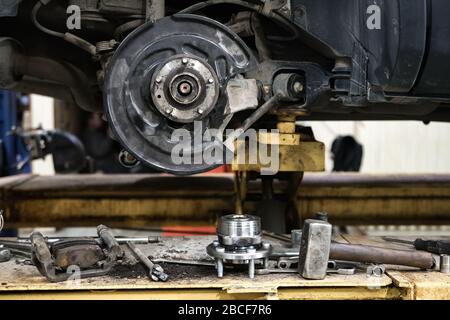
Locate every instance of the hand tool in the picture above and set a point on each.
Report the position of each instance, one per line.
(316, 249)
(185, 262)
(342, 270)
(50, 240)
(156, 272)
(432, 246)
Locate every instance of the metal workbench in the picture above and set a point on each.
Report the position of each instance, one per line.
(188, 282)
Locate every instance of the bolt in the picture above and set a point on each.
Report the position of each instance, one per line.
(215, 243)
(184, 60)
(158, 79)
(219, 263)
(251, 269)
(200, 111)
(298, 87)
(211, 80)
(169, 111)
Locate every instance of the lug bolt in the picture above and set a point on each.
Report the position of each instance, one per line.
(169, 111)
(200, 111)
(251, 264)
(184, 60)
(298, 87)
(211, 80)
(158, 80)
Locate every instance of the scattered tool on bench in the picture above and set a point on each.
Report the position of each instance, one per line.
(317, 248)
(156, 272)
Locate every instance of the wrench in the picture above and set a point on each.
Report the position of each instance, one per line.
(156, 272)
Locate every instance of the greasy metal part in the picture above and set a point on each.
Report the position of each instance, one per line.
(445, 263)
(315, 249)
(53, 268)
(243, 94)
(84, 253)
(239, 242)
(378, 255)
(113, 247)
(139, 72)
(185, 88)
(238, 256)
(155, 271)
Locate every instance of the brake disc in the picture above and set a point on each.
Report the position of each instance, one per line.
(168, 76)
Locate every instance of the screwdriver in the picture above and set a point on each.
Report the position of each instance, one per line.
(432, 246)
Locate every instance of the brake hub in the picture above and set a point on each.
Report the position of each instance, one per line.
(172, 75)
(239, 243)
(185, 89)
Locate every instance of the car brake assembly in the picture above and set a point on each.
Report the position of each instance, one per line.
(89, 258)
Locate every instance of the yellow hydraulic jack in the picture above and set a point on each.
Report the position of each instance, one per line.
(296, 151)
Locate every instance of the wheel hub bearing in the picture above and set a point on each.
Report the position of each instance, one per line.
(185, 89)
(239, 243)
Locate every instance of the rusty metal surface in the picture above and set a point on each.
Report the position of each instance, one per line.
(138, 200)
